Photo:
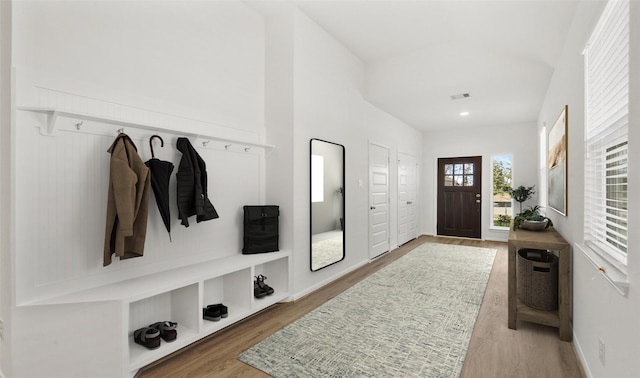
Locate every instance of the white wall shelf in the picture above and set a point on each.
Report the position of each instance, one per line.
(49, 128)
(146, 286)
(180, 294)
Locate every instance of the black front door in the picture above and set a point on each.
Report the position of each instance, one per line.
(460, 196)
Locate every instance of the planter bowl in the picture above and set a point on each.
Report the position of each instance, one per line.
(533, 225)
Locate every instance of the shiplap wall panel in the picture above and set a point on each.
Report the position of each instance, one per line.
(71, 199)
(61, 196)
(156, 307)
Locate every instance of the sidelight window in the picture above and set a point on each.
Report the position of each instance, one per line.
(501, 211)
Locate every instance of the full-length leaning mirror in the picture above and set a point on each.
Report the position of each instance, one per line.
(327, 203)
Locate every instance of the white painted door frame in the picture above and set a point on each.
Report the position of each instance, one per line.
(407, 197)
(379, 199)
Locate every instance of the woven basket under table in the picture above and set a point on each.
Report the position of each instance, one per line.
(537, 278)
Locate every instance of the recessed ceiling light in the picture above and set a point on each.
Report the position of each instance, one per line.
(464, 114)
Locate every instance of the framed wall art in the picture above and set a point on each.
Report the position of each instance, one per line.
(557, 163)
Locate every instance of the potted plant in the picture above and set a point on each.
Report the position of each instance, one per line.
(340, 192)
(521, 194)
(531, 219)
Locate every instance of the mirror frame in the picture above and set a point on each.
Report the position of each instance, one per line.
(344, 218)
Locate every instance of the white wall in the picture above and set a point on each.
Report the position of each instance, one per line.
(130, 60)
(516, 140)
(193, 66)
(221, 67)
(199, 59)
(599, 311)
(5, 174)
(279, 78)
(329, 105)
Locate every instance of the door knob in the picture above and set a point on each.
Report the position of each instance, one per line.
(477, 201)
(478, 195)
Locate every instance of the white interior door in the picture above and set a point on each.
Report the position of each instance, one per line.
(407, 195)
(378, 200)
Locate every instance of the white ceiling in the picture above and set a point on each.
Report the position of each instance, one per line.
(419, 52)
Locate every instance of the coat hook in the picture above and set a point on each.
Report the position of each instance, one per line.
(204, 143)
(121, 130)
(226, 146)
(79, 124)
(246, 149)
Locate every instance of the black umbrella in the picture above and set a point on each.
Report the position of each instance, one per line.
(160, 175)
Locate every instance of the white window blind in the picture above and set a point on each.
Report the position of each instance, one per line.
(606, 134)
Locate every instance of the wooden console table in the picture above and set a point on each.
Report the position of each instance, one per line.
(549, 239)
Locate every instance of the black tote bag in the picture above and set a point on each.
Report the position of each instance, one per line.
(260, 229)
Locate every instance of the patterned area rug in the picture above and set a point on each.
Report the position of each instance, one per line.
(413, 318)
(326, 252)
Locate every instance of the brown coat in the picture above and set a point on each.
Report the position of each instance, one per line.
(127, 202)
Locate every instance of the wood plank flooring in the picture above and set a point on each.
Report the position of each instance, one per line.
(495, 351)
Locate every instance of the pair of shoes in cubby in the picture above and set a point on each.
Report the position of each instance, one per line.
(149, 337)
(214, 312)
(261, 289)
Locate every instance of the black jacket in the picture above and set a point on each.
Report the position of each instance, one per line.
(192, 186)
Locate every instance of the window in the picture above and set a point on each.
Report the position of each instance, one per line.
(606, 135)
(317, 178)
(502, 172)
(458, 174)
(542, 168)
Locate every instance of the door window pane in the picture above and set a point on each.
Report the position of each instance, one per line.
(458, 169)
(468, 169)
(448, 180)
(448, 169)
(468, 180)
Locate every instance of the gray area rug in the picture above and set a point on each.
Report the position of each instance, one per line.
(413, 318)
(326, 252)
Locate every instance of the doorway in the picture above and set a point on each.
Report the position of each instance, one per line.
(378, 200)
(407, 195)
(460, 196)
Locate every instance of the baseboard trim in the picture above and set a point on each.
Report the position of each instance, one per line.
(577, 349)
(463, 238)
(327, 281)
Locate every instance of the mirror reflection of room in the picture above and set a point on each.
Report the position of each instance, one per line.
(327, 203)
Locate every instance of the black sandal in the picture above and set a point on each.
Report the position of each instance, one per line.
(167, 330)
(224, 311)
(148, 337)
(211, 313)
(266, 288)
(258, 292)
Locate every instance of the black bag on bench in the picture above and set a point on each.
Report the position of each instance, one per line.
(260, 229)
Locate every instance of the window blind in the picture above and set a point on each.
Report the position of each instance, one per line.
(606, 134)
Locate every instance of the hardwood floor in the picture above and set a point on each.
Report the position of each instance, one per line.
(495, 351)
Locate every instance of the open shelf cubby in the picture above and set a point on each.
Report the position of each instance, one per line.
(178, 306)
(232, 290)
(277, 277)
(228, 281)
